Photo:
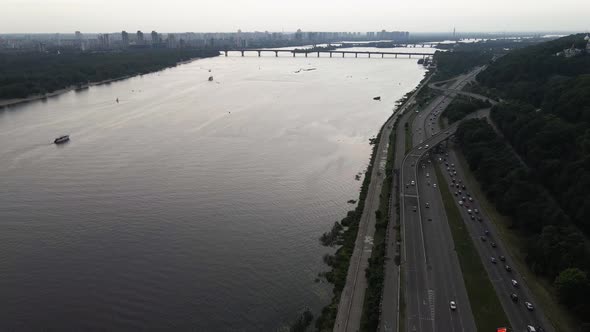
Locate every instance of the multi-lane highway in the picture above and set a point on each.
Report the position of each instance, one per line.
(521, 310)
(435, 298)
(350, 307)
(432, 275)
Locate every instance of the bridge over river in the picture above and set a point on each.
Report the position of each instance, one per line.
(331, 52)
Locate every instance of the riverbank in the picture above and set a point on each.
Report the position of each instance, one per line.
(14, 102)
(351, 281)
(82, 71)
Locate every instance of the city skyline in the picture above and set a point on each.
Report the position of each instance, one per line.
(65, 16)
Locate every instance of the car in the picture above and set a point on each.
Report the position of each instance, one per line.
(427, 175)
(502, 258)
(472, 217)
(459, 192)
(427, 205)
(471, 199)
(414, 208)
(486, 232)
(413, 183)
(483, 238)
(514, 283)
(453, 180)
(493, 244)
(460, 202)
(468, 210)
(514, 297)
(457, 186)
(419, 148)
(529, 306)
(434, 185)
(453, 305)
(508, 268)
(463, 185)
(476, 210)
(530, 328)
(493, 260)
(480, 219)
(407, 185)
(428, 182)
(456, 194)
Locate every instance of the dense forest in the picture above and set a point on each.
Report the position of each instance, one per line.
(34, 73)
(463, 106)
(453, 63)
(545, 116)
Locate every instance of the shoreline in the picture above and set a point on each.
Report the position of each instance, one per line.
(6, 103)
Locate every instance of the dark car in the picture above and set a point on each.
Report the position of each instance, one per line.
(483, 238)
(493, 244)
(502, 258)
(514, 297)
(508, 268)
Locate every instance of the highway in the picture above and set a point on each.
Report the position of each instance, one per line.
(483, 233)
(350, 307)
(432, 275)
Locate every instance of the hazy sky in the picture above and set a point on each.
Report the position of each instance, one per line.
(289, 15)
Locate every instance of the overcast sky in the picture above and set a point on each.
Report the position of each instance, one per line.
(289, 15)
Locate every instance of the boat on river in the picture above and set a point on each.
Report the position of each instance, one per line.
(62, 139)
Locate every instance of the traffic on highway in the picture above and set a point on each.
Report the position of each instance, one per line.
(439, 280)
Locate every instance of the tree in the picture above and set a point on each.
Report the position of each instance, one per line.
(572, 286)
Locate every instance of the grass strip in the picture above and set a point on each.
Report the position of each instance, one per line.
(375, 272)
(487, 310)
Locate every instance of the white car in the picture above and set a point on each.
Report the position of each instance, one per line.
(434, 185)
(530, 328)
(453, 305)
(514, 283)
(529, 306)
(413, 183)
(460, 202)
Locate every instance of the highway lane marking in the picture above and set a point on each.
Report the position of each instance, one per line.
(431, 302)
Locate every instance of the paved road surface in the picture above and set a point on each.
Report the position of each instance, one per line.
(350, 307)
(518, 315)
(432, 273)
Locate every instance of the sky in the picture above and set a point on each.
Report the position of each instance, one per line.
(67, 16)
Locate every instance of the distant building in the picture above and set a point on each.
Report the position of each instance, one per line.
(298, 35)
(124, 38)
(139, 36)
(155, 38)
(103, 41)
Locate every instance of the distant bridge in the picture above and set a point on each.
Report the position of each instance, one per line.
(332, 52)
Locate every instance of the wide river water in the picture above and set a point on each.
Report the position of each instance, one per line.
(189, 204)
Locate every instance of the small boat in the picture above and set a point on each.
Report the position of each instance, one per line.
(377, 98)
(210, 78)
(62, 139)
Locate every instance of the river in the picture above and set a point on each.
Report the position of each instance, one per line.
(188, 204)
